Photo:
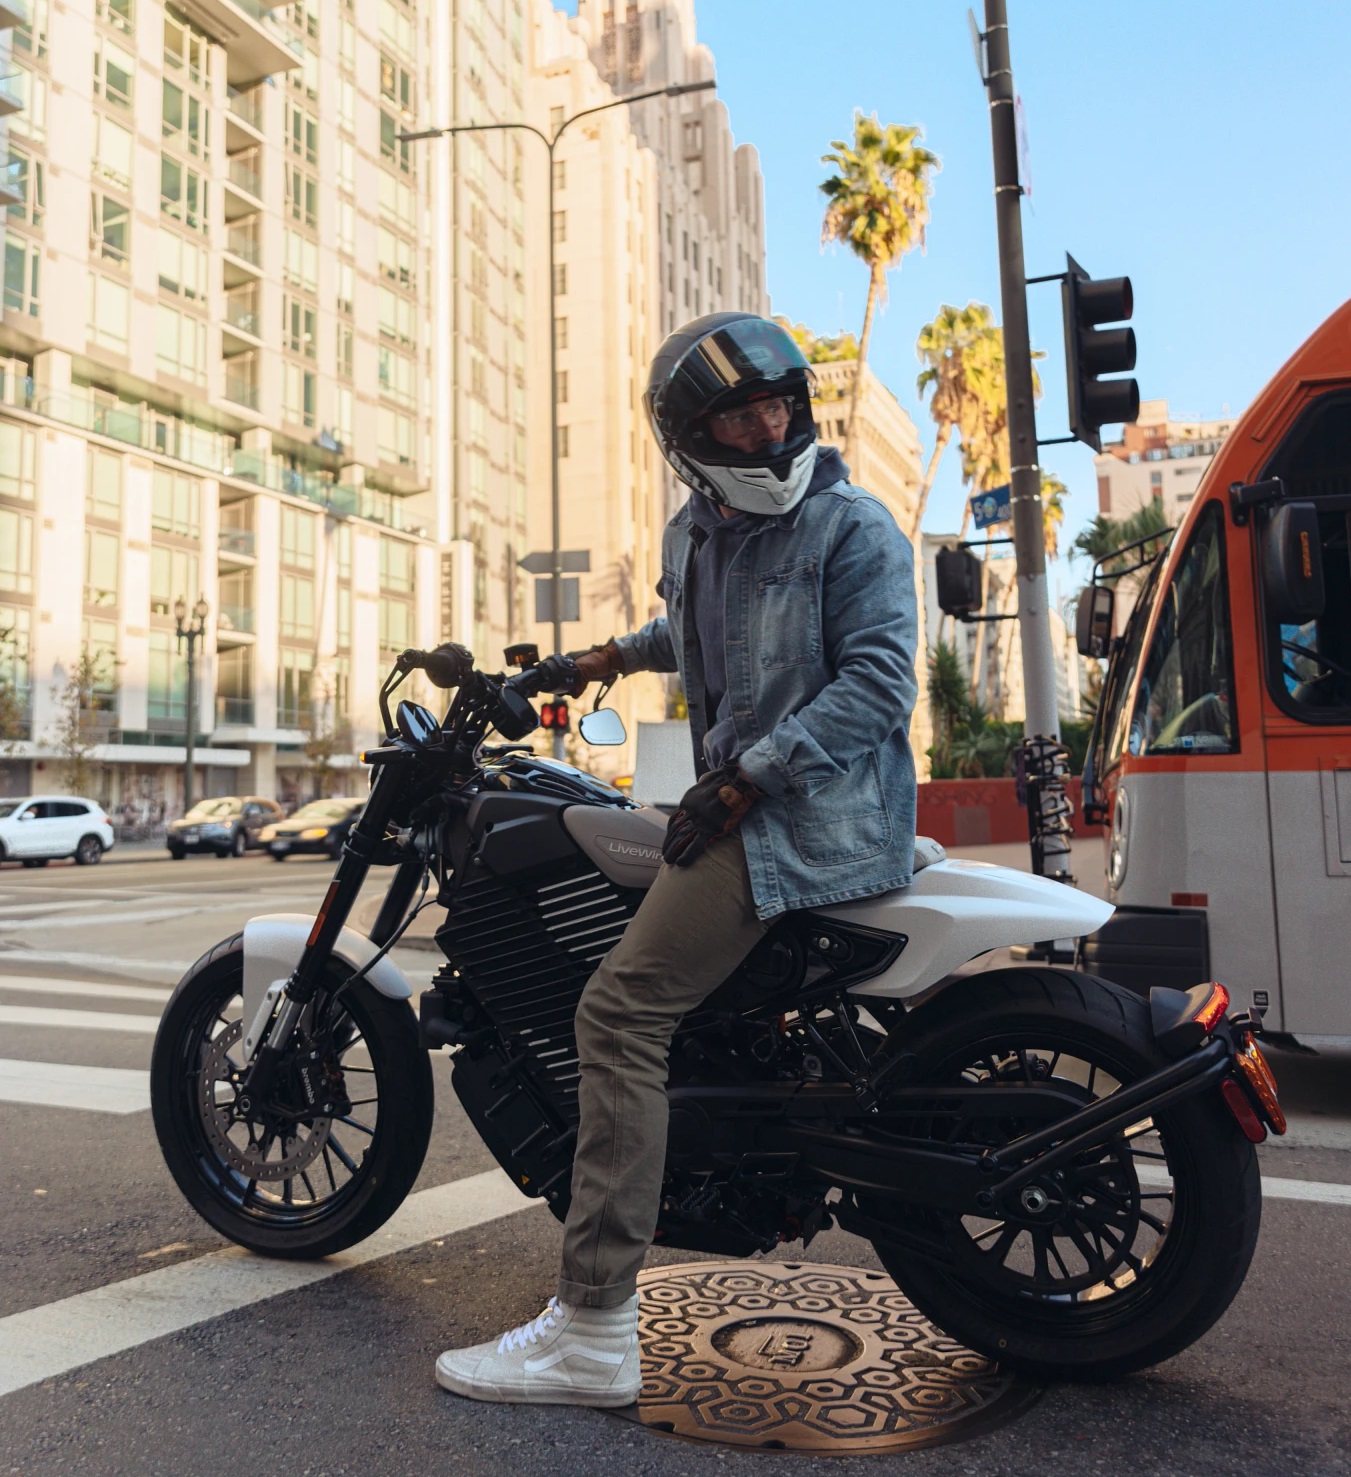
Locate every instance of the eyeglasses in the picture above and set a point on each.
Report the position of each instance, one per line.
(773, 411)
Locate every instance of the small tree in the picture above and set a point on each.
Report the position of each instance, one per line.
(84, 698)
(326, 736)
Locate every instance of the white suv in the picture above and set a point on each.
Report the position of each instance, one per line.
(36, 829)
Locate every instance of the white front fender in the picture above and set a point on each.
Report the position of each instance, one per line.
(273, 945)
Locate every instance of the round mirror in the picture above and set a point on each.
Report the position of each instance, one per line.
(604, 726)
(416, 724)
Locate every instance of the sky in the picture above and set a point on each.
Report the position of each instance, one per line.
(1198, 147)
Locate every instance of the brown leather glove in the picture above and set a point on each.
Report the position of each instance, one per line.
(713, 806)
(595, 664)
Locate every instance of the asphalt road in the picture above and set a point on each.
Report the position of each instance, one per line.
(335, 1376)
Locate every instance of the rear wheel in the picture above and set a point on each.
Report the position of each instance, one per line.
(1129, 1253)
(89, 853)
(290, 1184)
(177, 853)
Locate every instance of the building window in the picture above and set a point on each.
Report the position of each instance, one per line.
(561, 387)
(182, 193)
(343, 357)
(392, 147)
(102, 555)
(561, 279)
(297, 607)
(396, 624)
(560, 227)
(346, 288)
(109, 309)
(16, 552)
(27, 178)
(167, 696)
(112, 152)
(113, 70)
(297, 538)
(103, 487)
(22, 264)
(302, 133)
(560, 174)
(16, 648)
(173, 572)
(182, 266)
(397, 375)
(298, 326)
(185, 47)
(109, 228)
(395, 436)
(561, 332)
(302, 195)
(185, 121)
(396, 316)
(119, 14)
(557, 117)
(180, 344)
(396, 566)
(176, 504)
(18, 452)
(301, 264)
(299, 394)
(563, 441)
(395, 257)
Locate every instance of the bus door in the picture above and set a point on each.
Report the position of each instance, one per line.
(1307, 675)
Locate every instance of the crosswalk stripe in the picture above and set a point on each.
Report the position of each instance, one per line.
(1274, 1187)
(52, 1340)
(57, 1085)
(32, 984)
(77, 1020)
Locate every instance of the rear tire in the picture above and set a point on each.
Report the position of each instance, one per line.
(89, 853)
(191, 1101)
(1196, 1264)
(239, 844)
(176, 853)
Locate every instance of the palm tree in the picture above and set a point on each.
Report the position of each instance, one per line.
(878, 207)
(943, 346)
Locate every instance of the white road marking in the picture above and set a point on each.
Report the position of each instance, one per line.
(1274, 1187)
(110, 963)
(77, 1020)
(92, 1089)
(44, 1342)
(33, 984)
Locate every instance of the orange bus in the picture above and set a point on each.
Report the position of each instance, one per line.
(1221, 753)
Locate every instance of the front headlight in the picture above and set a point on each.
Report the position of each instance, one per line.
(315, 833)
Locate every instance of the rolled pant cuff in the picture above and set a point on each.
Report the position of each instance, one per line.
(582, 1295)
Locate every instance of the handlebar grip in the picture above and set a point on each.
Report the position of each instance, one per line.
(553, 674)
(447, 666)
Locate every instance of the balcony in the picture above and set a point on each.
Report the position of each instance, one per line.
(244, 112)
(243, 252)
(13, 92)
(15, 13)
(244, 179)
(242, 317)
(236, 543)
(13, 182)
(241, 384)
(237, 710)
(234, 620)
(255, 46)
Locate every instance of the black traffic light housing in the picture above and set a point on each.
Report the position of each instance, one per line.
(1092, 351)
(958, 579)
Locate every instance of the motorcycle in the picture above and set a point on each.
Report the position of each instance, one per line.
(1056, 1171)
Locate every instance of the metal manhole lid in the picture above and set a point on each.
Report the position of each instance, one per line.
(791, 1356)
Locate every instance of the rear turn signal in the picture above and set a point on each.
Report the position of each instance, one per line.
(1262, 1081)
(1242, 1109)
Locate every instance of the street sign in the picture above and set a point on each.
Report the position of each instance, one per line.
(544, 599)
(573, 561)
(989, 508)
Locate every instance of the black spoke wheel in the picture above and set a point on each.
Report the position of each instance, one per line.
(298, 1178)
(1114, 1261)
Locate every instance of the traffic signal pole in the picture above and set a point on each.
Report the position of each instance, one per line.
(1050, 845)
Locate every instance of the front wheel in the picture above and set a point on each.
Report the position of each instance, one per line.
(290, 1181)
(89, 853)
(1126, 1255)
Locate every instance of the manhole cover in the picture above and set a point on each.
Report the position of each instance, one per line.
(795, 1357)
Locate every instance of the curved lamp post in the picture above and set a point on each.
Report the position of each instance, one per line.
(677, 89)
(191, 631)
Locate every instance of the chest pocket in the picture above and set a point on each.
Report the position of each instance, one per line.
(788, 613)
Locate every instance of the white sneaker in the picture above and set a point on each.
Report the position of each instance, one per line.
(566, 1356)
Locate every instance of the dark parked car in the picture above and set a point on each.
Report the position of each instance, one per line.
(320, 826)
(229, 825)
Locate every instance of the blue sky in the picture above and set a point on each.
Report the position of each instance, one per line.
(1198, 147)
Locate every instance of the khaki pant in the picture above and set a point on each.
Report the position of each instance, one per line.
(695, 926)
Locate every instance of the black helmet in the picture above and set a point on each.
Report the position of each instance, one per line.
(722, 360)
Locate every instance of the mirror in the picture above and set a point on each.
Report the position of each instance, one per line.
(1093, 621)
(604, 726)
(416, 724)
(1292, 565)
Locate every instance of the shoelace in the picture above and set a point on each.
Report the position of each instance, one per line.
(529, 1333)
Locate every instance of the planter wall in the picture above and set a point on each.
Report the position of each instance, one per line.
(983, 812)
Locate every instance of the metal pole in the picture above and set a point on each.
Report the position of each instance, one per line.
(555, 503)
(191, 638)
(1039, 686)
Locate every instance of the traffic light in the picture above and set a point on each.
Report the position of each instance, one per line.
(1091, 351)
(958, 581)
(554, 716)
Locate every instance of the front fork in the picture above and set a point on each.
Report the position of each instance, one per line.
(358, 853)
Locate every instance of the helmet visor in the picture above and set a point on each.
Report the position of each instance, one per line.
(732, 361)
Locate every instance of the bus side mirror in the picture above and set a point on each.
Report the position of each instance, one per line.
(1292, 565)
(1093, 620)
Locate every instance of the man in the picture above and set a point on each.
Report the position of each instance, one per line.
(791, 620)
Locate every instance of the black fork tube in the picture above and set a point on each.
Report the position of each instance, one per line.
(395, 905)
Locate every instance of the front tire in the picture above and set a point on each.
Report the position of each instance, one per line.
(1159, 1225)
(334, 1180)
(239, 844)
(89, 853)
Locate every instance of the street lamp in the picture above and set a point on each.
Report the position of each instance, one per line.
(676, 89)
(191, 632)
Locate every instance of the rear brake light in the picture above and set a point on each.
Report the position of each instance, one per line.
(1212, 1012)
(1259, 1077)
(1242, 1110)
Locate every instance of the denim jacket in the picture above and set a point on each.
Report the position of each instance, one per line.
(821, 628)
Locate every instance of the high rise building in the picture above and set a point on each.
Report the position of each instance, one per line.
(658, 218)
(1157, 459)
(257, 349)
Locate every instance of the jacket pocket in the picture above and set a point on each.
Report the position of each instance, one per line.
(788, 609)
(846, 820)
